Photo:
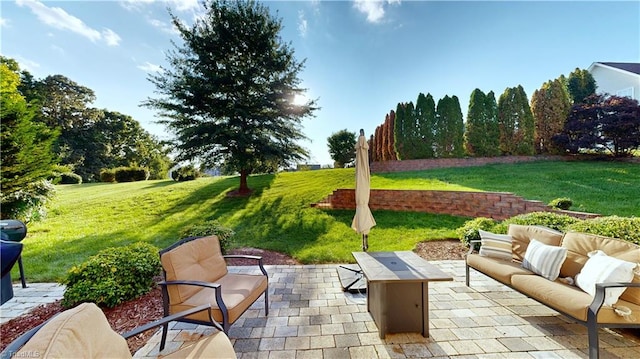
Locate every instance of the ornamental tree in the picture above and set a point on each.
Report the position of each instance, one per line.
(227, 93)
(342, 147)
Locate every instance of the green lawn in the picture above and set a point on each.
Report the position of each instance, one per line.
(84, 219)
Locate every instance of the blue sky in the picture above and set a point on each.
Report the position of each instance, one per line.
(362, 57)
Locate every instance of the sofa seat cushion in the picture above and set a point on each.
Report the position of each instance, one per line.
(568, 299)
(522, 235)
(239, 291)
(80, 332)
(216, 345)
(498, 269)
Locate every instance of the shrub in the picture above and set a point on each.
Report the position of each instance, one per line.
(131, 174)
(469, 231)
(626, 228)
(557, 221)
(185, 173)
(70, 178)
(208, 228)
(112, 276)
(29, 203)
(108, 175)
(561, 203)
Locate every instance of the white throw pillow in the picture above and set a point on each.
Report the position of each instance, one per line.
(495, 245)
(544, 259)
(600, 268)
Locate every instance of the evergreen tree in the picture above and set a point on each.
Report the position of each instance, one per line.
(27, 156)
(581, 85)
(550, 106)
(399, 132)
(449, 128)
(515, 122)
(228, 93)
(492, 128)
(390, 149)
(425, 122)
(475, 135)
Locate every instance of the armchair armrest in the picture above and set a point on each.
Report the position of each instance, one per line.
(171, 318)
(216, 286)
(246, 256)
(598, 299)
(472, 245)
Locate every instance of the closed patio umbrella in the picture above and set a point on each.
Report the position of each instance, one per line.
(363, 219)
(351, 276)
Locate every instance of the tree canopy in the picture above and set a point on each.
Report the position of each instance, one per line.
(342, 147)
(227, 93)
(581, 85)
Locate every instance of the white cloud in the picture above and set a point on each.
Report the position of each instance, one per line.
(4, 22)
(374, 9)
(149, 67)
(110, 37)
(184, 5)
(132, 5)
(26, 64)
(163, 26)
(302, 24)
(60, 19)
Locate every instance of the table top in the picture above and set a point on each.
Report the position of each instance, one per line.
(405, 266)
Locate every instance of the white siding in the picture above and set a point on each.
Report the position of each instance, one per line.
(615, 82)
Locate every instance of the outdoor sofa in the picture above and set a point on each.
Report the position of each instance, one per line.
(551, 267)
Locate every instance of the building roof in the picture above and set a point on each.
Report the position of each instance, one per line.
(632, 67)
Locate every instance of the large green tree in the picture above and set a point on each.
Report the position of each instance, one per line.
(515, 122)
(581, 85)
(550, 106)
(342, 147)
(27, 157)
(228, 90)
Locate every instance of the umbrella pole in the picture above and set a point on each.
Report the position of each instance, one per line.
(365, 242)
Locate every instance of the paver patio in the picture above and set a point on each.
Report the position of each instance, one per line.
(311, 317)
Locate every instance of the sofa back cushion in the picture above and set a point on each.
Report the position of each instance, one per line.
(80, 332)
(522, 235)
(580, 244)
(198, 260)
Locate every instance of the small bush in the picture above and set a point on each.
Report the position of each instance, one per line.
(563, 203)
(70, 178)
(113, 276)
(626, 228)
(559, 222)
(131, 174)
(469, 231)
(185, 173)
(208, 228)
(108, 175)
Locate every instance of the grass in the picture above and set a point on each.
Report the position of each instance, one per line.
(86, 218)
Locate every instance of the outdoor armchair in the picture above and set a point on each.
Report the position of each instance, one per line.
(195, 273)
(84, 332)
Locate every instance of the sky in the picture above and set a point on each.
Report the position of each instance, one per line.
(361, 57)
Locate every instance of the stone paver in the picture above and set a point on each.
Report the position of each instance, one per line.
(312, 318)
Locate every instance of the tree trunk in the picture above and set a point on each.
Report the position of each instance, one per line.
(244, 188)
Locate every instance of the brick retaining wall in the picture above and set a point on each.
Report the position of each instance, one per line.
(496, 205)
(424, 164)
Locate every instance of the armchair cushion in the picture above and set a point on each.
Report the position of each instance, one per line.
(197, 260)
(80, 332)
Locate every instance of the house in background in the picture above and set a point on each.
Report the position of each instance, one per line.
(617, 78)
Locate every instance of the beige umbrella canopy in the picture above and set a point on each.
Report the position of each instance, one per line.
(363, 219)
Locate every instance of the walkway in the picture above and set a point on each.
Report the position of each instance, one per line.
(310, 317)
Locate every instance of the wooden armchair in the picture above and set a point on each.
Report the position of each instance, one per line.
(195, 273)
